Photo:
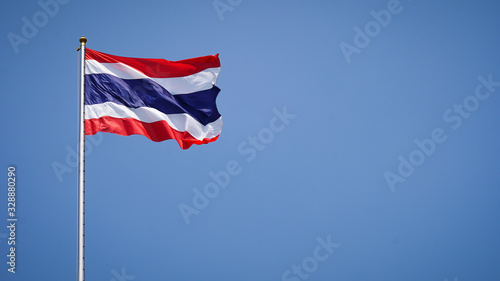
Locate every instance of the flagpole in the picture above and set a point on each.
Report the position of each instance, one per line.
(81, 167)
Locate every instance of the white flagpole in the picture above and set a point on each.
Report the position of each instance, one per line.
(81, 167)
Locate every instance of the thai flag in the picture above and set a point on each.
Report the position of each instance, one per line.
(156, 98)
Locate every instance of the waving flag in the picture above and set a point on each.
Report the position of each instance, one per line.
(156, 98)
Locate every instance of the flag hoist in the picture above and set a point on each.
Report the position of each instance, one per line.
(81, 167)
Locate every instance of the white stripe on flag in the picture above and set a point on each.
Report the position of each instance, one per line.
(181, 122)
(200, 81)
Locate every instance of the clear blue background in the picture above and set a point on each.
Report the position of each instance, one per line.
(322, 176)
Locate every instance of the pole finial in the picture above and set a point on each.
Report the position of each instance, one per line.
(83, 40)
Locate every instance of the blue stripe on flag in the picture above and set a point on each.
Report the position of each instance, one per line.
(134, 93)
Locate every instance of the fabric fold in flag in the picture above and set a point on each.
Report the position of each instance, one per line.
(156, 98)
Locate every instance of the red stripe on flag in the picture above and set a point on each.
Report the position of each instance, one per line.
(156, 131)
(158, 68)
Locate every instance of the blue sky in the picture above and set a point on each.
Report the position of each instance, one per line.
(377, 151)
